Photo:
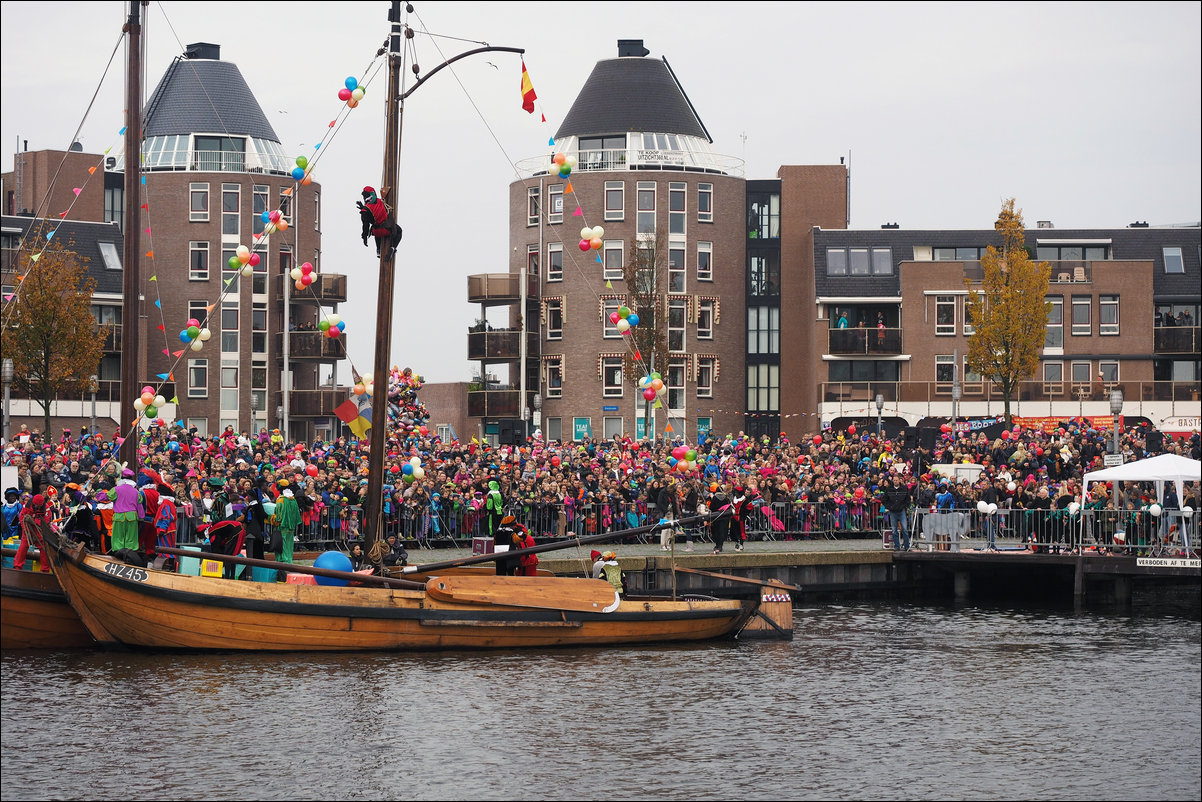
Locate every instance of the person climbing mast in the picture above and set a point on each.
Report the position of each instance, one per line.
(378, 221)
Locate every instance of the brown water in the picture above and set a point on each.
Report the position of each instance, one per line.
(874, 700)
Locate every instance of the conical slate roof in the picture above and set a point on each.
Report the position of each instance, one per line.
(631, 93)
(203, 95)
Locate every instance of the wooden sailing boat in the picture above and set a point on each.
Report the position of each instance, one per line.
(34, 613)
(130, 606)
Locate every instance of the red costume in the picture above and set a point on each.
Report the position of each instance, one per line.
(378, 221)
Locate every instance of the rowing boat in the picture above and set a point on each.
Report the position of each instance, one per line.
(34, 613)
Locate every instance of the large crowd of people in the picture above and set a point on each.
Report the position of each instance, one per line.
(822, 483)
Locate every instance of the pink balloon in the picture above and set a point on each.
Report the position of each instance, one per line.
(585, 245)
(613, 318)
(649, 394)
(344, 94)
(254, 260)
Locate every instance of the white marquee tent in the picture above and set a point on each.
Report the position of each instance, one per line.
(1158, 470)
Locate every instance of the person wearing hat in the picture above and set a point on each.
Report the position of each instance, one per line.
(35, 523)
(613, 572)
(288, 514)
(494, 508)
(719, 504)
(127, 509)
(10, 514)
(668, 504)
(378, 221)
(165, 519)
(506, 538)
(598, 564)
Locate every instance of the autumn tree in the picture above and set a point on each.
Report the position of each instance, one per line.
(646, 280)
(49, 331)
(1008, 310)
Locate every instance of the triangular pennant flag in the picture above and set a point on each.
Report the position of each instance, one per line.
(146, 206)
(63, 214)
(578, 213)
(609, 285)
(106, 150)
(668, 427)
(143, 180)
(637, 355)
(209, 308)
(7, 298)
(154, 278)
(171, 376)
(543, 116)
(166, 352)
(178, 353)
(147, 229)
(287, 191)
(150, 254)
(92, 170)
(122, 131)
(175, 398)
(599, 259)
(49, 234)
(568, 188)
(32, 258)
(161, 327)
(77, 190)
(658, 405)
(161, 375)
(551, 142)
(158, 303)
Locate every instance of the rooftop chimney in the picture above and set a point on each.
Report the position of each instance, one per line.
(1044, 224)
(890, 225)
(1138, 224)
(632, 47)
(203, 50)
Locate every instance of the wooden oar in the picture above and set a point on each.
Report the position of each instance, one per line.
(366, 579)
(601, 537)
(768, 583)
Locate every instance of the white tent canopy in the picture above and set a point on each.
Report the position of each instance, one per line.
(1161, 469)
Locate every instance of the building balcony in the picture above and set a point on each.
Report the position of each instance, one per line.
(494, 289)
(918, 392)
(1073, 271)
(112, 339)
(312, 345)
(328, 289)
(496, 402)
(1176, 339)
(500, 345)
(848, 342)
(624, 159)
(316, 403)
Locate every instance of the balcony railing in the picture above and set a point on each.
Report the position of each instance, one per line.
(500, 345)
(930, 392)
(112, 339)
(1073, 271)
(315, 403)
(865, 341)
(494, 403)
(1176, 339)
(635, 158)
(330, 288)
(500, 288)
(312, 345)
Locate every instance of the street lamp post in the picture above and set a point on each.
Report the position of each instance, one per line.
(6, 375)
(254, 412)
(1116, 409)
(880, 405)
(93, 383)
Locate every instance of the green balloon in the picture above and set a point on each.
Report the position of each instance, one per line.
(193, 332)
(302, 162)
(151, 410)
(324, 325)
(235, 263)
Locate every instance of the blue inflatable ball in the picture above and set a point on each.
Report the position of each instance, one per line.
(298, 173)
(332, 561)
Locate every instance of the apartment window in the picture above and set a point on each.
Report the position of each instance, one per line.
(114, 206)
(677, 314)
(705, 261)
(858, 262)
(763, 274)
(969, 328)
(1053, 378)
(532, 210)
(763, 217)
(836, 261)
(229, 329)
(613, 259)
(1055, 336)
(258, 384)
(945, 370)
(201, 425)
(611, 376)
(555, 261)
(1109, 372)
(945, 314)
(554, 318)
(763, 330)
(286, 205)
(705, 376)
(609, 330)
(957, 254)
(554, 367)
(532, 260)
(1108, 314)
(676, 277)
(763, 388)
(258, 283)
(229, 387)
(1080, 374)
(108, 252)
(677, 367)
(645, 217)
(231, 206)
(1072, 253)
(258, 206)
(258, 329)
(615, 200)
(882, 262)
(198, 208)
(198, 261)
(676, 211)
(316, 214)
(554, 429)
(1082, 319)
(705, 319)
(198, 378)
(705, 203)
(286, 262)
(1173, 261)
(555, 199)
(229, 258)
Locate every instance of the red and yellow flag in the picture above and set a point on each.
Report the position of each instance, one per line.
(528, 96)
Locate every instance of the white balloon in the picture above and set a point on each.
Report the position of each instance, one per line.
(1187, 511)
(159, 401)
(570, 161)
(419, 473)
(598, 232)
(247, 270)
(138, 405)
(205, 334)
(982, 506)
(992, 508)
(1011, 487)
(586, 233)
(415, 461)
(335, 319)
(196, 345)
(1074, 508)
(1155, 510)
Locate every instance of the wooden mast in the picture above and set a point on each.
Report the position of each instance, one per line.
(374, 522)
(131, 314)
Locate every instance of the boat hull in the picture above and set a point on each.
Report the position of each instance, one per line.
(143, 608)
(34, 613)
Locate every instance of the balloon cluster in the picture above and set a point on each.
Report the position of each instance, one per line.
(987, 508)
(333, 326)
(403, 407)
(274, 221)
(591, 238)
(652, 386)
(244, 261)
(624, 320)
(194, 336)
(149, 404)
(304, 275)
(352, 93)
(364, 386)
(563, 164)
(410, 471)
(683, 459)
(301, 171)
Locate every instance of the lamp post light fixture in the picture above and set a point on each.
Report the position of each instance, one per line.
(93, 385)
(6, 376)
(254, 412)
(1116, 409)
(538, 410)
(880, 405)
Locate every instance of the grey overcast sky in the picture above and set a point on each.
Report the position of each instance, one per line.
(1087, 114)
